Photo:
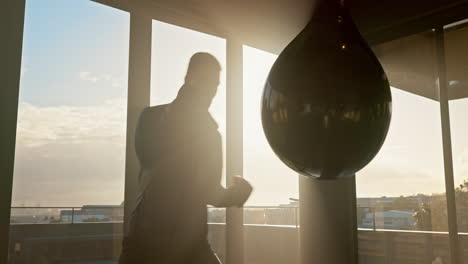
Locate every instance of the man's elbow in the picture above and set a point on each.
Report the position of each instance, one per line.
(222, 198)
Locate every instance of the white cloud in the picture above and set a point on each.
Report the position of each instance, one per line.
(390, 180)
(88, 76)
(73, 124)
(70, 155)
(114, 81)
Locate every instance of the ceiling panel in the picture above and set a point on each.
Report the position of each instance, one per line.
(398, 30)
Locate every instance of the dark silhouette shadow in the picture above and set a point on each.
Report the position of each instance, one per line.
(180, 152)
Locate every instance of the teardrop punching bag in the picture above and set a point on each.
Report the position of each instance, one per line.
(326, 104)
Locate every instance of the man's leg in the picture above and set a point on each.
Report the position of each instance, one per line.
(133, 252)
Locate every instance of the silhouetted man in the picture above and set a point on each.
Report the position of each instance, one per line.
(180, 152)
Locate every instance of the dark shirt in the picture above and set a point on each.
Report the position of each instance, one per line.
(180, 153)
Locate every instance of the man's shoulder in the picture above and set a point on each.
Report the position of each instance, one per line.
(156, 111)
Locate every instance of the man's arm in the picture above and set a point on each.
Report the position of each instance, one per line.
(218, 196)
(236, 195)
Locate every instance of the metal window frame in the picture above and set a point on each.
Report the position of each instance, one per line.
(10, 72)
(442, 84)
(138, 97)
(234, 146)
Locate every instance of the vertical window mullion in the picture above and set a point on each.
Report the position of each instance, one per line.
(139, 87)
(11, 70)
(447, 145)
(234, 147)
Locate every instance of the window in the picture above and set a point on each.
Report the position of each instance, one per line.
(72, 110)
(456, 39)
(171, 51)
(70, 148)
(403, 188)
(172, 47)
(274, 182)
(407, 174)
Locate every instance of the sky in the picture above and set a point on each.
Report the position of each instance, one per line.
(70, 147)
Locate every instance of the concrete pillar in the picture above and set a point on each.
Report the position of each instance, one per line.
(234, 148)
(442, 82)
(139, 87)
(328, 224)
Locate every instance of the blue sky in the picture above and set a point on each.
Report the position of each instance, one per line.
(63, 39)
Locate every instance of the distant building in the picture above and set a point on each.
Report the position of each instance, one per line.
(388, 201)
(392, 219)
(284, 214)
(93, 213)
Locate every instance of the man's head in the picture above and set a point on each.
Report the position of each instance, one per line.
(202, 77)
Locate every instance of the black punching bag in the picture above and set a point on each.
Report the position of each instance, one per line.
(326, 105)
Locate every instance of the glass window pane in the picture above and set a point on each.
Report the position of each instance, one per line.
(402, 212)
(70, 148)
(271, 216)
(172, 48)
(274, 182)
(171, 51)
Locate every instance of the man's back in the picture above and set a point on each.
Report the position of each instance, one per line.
(179, 151)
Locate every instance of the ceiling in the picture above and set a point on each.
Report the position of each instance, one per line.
(410, 63)
(271, 24)
(390, 26)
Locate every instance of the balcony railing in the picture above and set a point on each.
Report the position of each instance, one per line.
(66, 215)
(271, 235)
(288, 216)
